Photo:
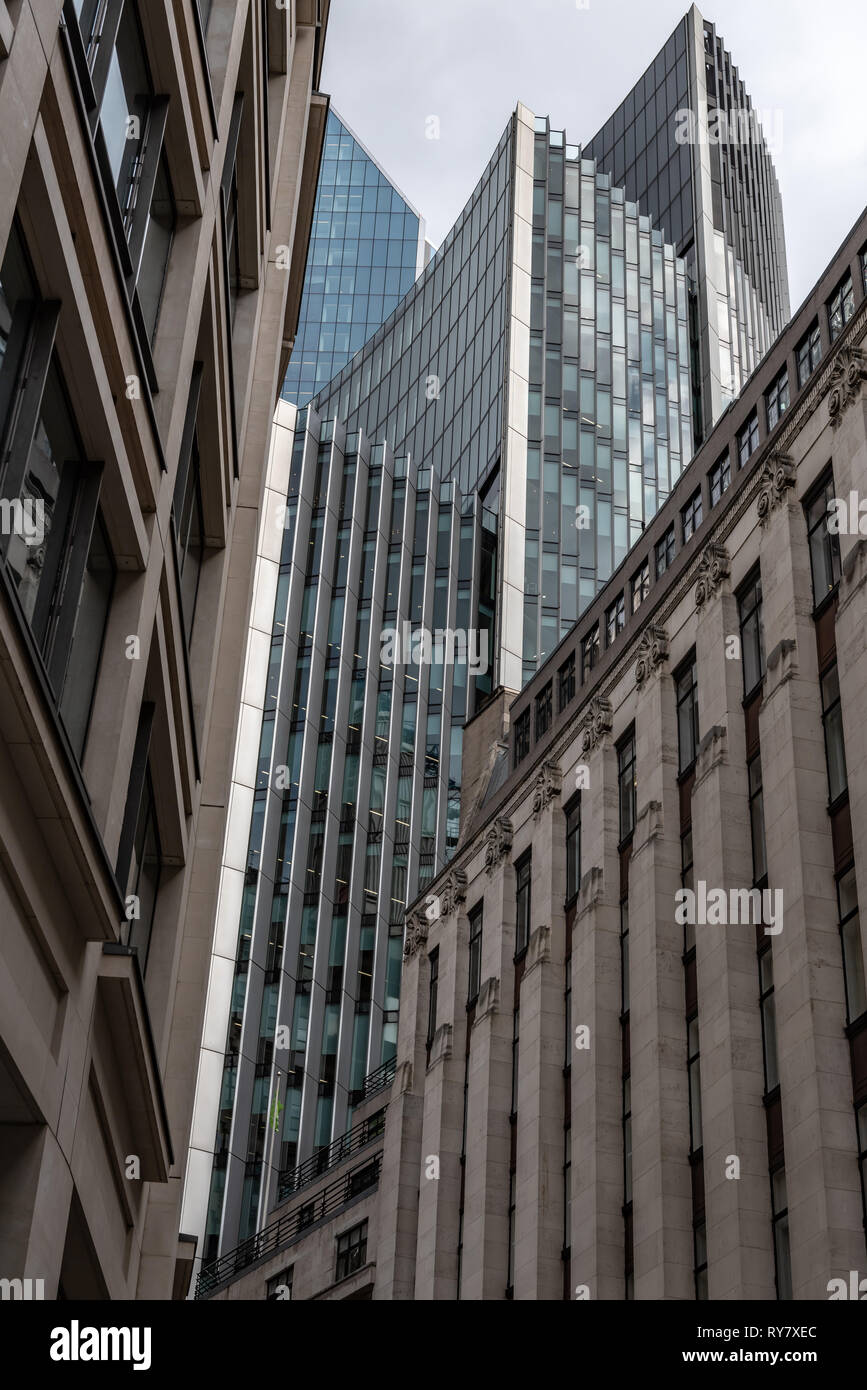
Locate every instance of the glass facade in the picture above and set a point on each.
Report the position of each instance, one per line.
(710, 186)
(366, 247)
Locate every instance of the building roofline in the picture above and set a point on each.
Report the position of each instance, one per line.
(385, 174)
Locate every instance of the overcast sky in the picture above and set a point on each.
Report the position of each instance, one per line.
(392, 64)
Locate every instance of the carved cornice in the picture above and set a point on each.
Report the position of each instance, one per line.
(652, 653)
(597, 723)
(488, 1000)
(849, 369)
(713, 568)
(776, 478)
(441, 1046)
(453, 893)
(549, 784)
(417, 926)
(538, 949)
(498, 843)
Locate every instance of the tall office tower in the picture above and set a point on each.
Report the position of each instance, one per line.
(510, 428)
(367, 246)
(153, 204)
(689, 146)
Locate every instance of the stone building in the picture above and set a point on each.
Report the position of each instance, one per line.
(632, 1051)
(157, 181)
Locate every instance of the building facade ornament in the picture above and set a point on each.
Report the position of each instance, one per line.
(713, 568)
(597, 722)
(777, 477)
(652, 653)
(498, 843)
(847, 373)
(417, 925)
(453, 893)
(549, 784)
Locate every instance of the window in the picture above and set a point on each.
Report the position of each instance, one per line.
(769, 1018)
(573, 847)
(699, 1245)
(777, 399)
(863, 259)
(664, 552)
(757, 818)
(853, 957)
(615, 619)
(640, 586)
(522, 904)
(351, 1251)
(748, 439)
(433, 985)
(189, 515)
(626, 785)
(690, 516)
(809, 353)
(280, 1286)
(543, 711)
(841, 306)
(832, 723)
(718, 479)
(782, 1257)
(475, 980)
(752, 636)
(567, 681)
(686, 684)
(128, 121)
(53, 543)
(693, 1066)
(589, 651)
(522, 736)
(140, 861)
(824, 544)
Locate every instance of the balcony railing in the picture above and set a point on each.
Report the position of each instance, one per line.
(379, 1080)
(293, 1179)
(291, 1225)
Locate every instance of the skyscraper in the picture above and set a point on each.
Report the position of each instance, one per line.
(367, 246)
(479, 469)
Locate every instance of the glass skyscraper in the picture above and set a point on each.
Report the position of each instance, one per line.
(482, 465)
(367, 246)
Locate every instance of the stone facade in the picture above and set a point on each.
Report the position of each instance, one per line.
(594, 1099)
(152, 261)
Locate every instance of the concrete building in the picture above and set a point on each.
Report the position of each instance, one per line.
(632, 1048)
(482, 465)
(157, 182)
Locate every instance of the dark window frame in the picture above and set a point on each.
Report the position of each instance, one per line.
(544, 709)
(777, 399)
(572, 812)
(523, 903)
(566, 682)
(748, 439)
(627, 787)
(351, 1249)
(474, 969)
(719, 479)
(639, 585)
(691, 516)
(822, 542)
(686, 698)
(808, 353)
(664, 551)
(750, 607)
(841, 306)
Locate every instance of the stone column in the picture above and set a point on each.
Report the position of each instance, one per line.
(539, 1195)
(485, 1257)
(598, 1239)
(737, 1210)
(822, 1180)
(661, 1177)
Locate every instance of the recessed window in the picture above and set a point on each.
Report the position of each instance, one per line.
(824, 543)
(841, 306)
(573, 847)
(589, 651)
(145, 873)
(853, 957)
(640, 586)
(777, 399)
(809, 353)
(664, 552)
(832, 723)
(566, 677)
(432, 990)
(752, 634)
(686, 685)
(615, 619)
(626, 782)
(863, 260)
(522, 904)
(691, 516)
(757, 820)
(543, 710)
(475, 972)
(522, 736)
(719, 478)
(748, 439)
(279, 1287)
(351, 1251)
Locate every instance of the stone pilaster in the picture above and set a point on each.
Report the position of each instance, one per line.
(661, 1180)
(737, 1210)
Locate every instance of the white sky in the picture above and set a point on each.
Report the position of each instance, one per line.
(391, 64)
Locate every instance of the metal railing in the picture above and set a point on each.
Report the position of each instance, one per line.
(291, 1225)
(378, 1080)
(293, 1179)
